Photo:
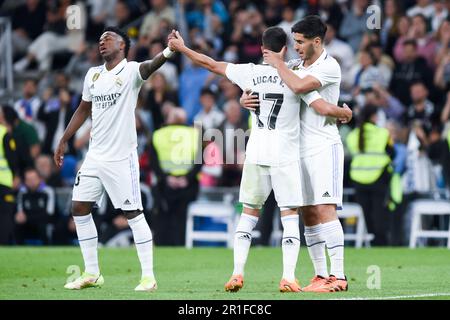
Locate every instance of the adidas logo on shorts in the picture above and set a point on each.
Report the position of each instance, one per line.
(326, 195)
(127, 202)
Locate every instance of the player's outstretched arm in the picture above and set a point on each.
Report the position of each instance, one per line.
(324, 108)
(147, 67)
(294, 82)
(79, 117)
(177, 44)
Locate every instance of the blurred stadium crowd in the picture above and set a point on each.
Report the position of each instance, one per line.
(403, 68)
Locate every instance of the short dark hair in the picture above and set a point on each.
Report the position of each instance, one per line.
(208, 91)
(123, 35)
(311, 26)
(10, 114)
(274, 38)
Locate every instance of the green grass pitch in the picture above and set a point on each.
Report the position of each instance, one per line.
(200, 273)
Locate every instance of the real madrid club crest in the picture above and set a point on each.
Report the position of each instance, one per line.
(95, 77)
(119, 82)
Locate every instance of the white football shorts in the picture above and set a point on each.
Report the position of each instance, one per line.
(322, 177)
(120, 179)
(258, 181)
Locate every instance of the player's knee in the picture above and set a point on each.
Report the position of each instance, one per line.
(132, 214)
(81, 208)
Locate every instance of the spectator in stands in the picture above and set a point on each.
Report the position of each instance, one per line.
(354, 24)
(28, 21)
(210, 116)
(123, 14)
(423, 7)
(330, 12)
(101, 14)
(8, 174)
(56, 38)
(389, 107)
(192, 80)
(150, 26)
(25, 136)
(248, 27)
(421, 109)
(440, 14)
(383, 62)
(28, 106)
(443, 38)
(177, 183)
(342, 52)
(445, 115)
(227, 91)
(47, 171)
(365, 75)
(159, 94)
(426, 45)
(371, 148)
(204, 10)
(389, 30)
(35, 206)
(412, 69)
(234, 129)
(286, 24)
(56, 112)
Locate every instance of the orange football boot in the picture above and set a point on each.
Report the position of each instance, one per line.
(333, 284)
(315, 283)
(235, 283)
(286, 286)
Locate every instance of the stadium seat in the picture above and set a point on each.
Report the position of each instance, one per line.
(420, 208)
(354, 210)
(224, 212)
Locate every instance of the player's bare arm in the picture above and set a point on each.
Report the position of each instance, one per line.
(79, 117)
(294, 82)
(177, 44)
(327, 109)
(146, 68)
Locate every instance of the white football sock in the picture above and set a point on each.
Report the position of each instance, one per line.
(144, 243)
(315, 242)
(88, 239)
(290, 245)
(334, 237)
(242, 241)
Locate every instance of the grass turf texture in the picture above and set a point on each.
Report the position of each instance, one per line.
(200, 273)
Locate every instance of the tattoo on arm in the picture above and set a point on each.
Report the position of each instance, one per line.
(146, 68)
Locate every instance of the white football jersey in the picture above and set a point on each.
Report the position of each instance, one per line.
(318, 132)
(113, 95)
(275, 134)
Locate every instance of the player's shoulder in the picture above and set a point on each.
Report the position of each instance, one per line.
(94, 70)
(330, 63)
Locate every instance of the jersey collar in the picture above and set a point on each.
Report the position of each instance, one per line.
(319, 60)
(117, 69)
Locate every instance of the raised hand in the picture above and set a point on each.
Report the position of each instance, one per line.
(273, 58)
(176, 43)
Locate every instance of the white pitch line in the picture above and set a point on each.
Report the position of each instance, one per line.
(400, 297)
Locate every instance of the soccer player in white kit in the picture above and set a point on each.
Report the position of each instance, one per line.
(272, 155)
(110, 94)
(321, 152)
